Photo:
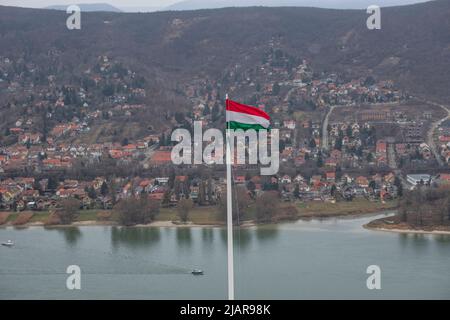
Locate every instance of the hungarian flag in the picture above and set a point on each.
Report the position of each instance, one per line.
(240, 116)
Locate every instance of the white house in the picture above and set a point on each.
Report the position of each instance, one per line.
(416, 179)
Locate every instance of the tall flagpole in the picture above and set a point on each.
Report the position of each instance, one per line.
(229, 215)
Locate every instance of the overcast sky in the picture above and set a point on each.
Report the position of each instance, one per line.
(128, 3)
(117, 3)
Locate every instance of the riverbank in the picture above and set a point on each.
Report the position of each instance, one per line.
(346, 208)
(203, 216)
(390, 225)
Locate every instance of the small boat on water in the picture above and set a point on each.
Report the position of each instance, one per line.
(8, 243)
(197, 272)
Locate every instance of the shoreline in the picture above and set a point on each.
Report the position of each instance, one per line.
(204, 217)
(394, 226)
(407, 231)
(156, 224)
(246, 224)
(171, 224)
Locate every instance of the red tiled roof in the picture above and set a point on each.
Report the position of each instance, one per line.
(381, 147)
(161, 157)
(444, 176)
(331, 175)
(156, 196)
(181, 178)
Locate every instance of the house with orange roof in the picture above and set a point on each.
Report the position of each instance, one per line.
(116, 154)
(126, 190)
(130, 147)
(51, 163)
(34, 138)
(381, 159)
(145, 183)
(389, 178)
(315, 179)
(65, 193)
(159, 196)
(59, 130)
(161, 158)
(330, 176)
(336, 154)
(29, 195)
(25, 182)
(381, 147)
(363, 182)
(239, 179)
(330, 162)
(181, 178)
(444, 139)
(70, 184)
(443, 178)
(16, 131)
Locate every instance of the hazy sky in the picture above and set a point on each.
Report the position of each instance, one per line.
(122, 3)
(117, 3)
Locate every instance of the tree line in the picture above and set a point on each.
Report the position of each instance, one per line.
(425, 207)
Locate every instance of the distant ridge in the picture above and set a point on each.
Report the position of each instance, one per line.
(141, 9)
(94, 7)
(330, 4)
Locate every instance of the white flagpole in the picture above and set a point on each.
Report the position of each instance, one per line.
(229, 217)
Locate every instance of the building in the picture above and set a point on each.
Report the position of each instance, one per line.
(416, 179)
(363, 182)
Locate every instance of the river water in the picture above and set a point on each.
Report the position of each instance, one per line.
(325, 259)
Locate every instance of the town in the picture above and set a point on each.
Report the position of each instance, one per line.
(342, 139)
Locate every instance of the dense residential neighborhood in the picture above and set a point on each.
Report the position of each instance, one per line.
(372, 136)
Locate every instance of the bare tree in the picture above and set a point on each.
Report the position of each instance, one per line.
(183, 208)
(267, 206)
(69, 210)
(241, 201)
(134, 211)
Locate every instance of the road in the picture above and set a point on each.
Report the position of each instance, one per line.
(430, 135)
(325, 128)
(392, 161)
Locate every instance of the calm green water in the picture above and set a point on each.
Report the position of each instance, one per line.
(303, 260)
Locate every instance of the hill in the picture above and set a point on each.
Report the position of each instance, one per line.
(416, 54)
(172, 51)
(330, 4)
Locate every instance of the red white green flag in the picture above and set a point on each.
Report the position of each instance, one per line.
(241, 116)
